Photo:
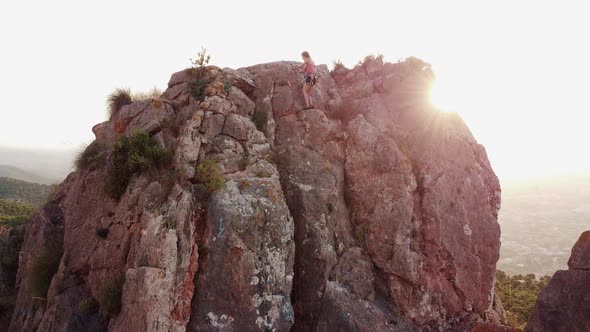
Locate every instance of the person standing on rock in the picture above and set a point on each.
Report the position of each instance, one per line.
(308, 69)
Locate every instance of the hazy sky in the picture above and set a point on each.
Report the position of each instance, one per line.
(516, 70)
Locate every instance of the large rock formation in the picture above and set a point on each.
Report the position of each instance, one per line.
(564, 304)
(372, 211)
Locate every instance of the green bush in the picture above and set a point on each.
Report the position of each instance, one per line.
(109, 296)
(260, 119)
(137, 153)
(227, 86)
(209, 173)
(197, 87)
(519, 294)
(93, 156)
(119, 98)
(88, 306)
(43, 267)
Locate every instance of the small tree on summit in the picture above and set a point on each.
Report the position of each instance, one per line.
(197, 86)
(202, 58)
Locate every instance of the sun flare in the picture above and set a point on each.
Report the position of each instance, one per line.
(441, 97)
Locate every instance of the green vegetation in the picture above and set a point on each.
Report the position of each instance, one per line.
(15, 208)
(227, 86)
(202, 58)
(137, 153)
(119, 98)
(33, 193)
(43, 267)
(93, 156)
(88, 306)
(197, 86)
(260, 118)
(210, 175)
(15, 213)
(519, 294)
(109, 297)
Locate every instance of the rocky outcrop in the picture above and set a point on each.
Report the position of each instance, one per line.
(564, 304)
(372, 211)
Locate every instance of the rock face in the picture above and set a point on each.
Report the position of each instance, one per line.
(564, 304)
(372, 211)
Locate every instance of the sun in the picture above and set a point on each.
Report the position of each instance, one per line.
(441, 97)
(455, 96)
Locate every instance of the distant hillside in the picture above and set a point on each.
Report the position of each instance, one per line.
(15, 213)
(50, 166)
(7, 171)
(33, 193)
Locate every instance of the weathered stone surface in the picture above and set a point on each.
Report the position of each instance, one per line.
(384, 219)
(151, 118)
(145, 297)
(45, 232)
(580, 257)
(247, 267)
(244, 104)
(215, 88)
(342, 311)
(189, 144)
(100, 129)
(230, 152)
(241, 79)
(237, 127)
(182, 76)
(212, 124)
(355, 272)
(177, 95)
(218, 105)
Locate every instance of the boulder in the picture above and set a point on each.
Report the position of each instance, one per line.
(564, 304)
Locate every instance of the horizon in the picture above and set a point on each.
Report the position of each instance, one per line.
(516, 83)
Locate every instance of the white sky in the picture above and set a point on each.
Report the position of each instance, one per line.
(516, 70)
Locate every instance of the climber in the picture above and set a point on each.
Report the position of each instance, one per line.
(308, 69)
